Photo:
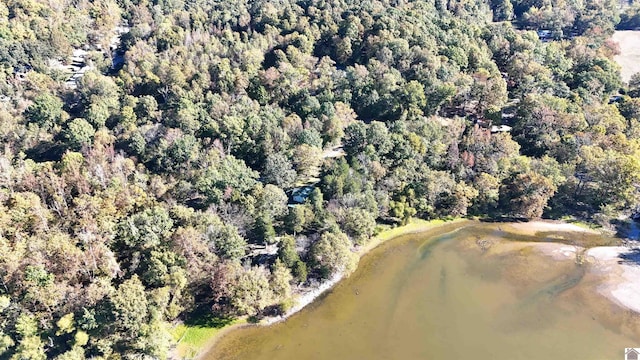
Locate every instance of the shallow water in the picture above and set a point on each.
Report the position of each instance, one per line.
(440, 296)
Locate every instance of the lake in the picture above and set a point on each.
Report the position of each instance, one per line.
(455, 292)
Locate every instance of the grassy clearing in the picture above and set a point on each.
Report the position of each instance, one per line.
(580, 223)
(588, 225)
(192, 337)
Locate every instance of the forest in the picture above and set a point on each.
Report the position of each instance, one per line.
(225, 153)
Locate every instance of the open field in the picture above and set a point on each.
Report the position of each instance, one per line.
(629, 58)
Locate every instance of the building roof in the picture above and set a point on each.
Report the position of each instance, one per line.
(300, 195)
(500, 128)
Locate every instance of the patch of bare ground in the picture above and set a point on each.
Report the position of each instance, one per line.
(629, 58)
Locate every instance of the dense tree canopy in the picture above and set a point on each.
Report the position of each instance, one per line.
(222, 152)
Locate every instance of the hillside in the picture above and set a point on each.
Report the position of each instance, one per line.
(203, 159)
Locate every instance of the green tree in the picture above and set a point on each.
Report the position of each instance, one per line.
(289, 256)
(229, 178)
(264, 229)
(226, 241)
(332, 253)
(78, 133)
(278, 170)
(359, 224)
(298, 218)
(147, 229)
(526, 194)
(355, 138)
(547, 125)
(634, 85)
(281, 281)
(250, 291)
(612, 177)
(130, 308)
(272, 202)
(6, 342)
(307, 160)
(502, 10)
(76, 353)
(30, 345)
(287, 251)
(46, 111)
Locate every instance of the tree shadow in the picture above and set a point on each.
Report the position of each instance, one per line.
(629, 229)
(46, 151)
(202, 316)
(630, 258)
(503, 219)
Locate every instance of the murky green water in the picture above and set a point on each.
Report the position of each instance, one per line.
(440, 296)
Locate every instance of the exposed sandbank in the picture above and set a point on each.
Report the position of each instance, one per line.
(615, 278)
(621, 278)
(533, 227)
(305, 297)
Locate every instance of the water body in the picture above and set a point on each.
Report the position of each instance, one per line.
(444, 295)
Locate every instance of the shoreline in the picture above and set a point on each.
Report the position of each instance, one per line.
(618, 278)
(619, 283)
(309, 296)
(303, 299)
(533, 227)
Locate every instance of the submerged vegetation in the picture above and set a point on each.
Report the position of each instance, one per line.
(218, 154)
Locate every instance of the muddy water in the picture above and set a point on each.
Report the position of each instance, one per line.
(452, 293)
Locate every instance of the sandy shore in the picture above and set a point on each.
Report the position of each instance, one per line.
(621, 279)
(617, 279)
(533, 227)
(305, 298)
(558, 251)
